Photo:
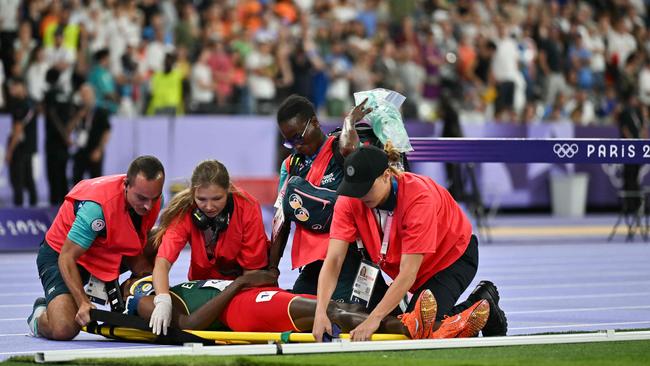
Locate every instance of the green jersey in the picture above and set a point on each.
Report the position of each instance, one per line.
(194, 294)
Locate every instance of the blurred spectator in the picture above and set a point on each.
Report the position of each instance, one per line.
(103, 83)
(92, 130)
(580, 58)
(222, 69)
(505, 70)
(158, 47)
(550, 62)
(56, 109)
(23, 47)
(63, 60)
(339, 69)
(410, 75)
(556, 112)
(262, 68)
(644, 83)
(187, 30)
(21, 145)
(9, 20)
(620, 43)
(580, 109)
(202, 85)
(36, 71)
(62, 26)
(167, 89)
(328, 49)
(432, 60)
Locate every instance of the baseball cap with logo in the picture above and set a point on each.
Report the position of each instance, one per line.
(360, 170)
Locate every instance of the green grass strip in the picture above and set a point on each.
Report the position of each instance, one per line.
(592, 354)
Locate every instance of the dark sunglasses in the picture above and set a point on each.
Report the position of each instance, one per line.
(297, 139)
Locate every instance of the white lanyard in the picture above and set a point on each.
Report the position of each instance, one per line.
(387, 218)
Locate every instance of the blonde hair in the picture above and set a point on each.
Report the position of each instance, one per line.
(395, 164)
(208, 172)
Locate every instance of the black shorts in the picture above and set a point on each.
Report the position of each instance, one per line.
(505, 96)
(50, 274)
(307, 281)
(448, 284)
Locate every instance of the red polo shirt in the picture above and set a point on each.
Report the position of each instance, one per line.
(426, 221)
(243, 243)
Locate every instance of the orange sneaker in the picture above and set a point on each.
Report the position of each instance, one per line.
(466, 324)
(419, 322)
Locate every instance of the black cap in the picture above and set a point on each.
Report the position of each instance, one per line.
(360, 170)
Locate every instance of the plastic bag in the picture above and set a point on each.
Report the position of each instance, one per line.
(385, 118)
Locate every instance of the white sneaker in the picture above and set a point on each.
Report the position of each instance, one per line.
(32, 321)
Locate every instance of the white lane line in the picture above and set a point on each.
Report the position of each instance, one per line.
(11, 294)
(579, 325)
(569, 273)
(22, 285)
(594, 268)
(568, 297)
(16, 306)
(640, 307)
(125, 348)
(13, 335)
(11, 319)
(573, 285)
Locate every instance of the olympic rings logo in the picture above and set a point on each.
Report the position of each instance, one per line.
(565, 150)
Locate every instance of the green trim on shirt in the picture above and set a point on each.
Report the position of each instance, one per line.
(88, 224)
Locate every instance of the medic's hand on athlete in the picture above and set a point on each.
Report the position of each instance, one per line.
(83, 314)
(259, 278)
(322, 324)
(364, 331)
(358, 112)
(161, 317)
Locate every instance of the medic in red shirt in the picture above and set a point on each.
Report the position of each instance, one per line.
(224, 227)
(414, 231)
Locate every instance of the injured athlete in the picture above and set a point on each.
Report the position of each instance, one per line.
(243, 306)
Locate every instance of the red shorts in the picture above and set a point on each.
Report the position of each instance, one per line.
(264, 309)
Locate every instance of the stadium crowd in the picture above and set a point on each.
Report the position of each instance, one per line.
(516, 61)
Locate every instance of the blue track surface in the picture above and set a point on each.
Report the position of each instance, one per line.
(547, 284)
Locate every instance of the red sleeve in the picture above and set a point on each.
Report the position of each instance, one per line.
(175, 239)
(419, 225)
(255, 245)
(343, 226)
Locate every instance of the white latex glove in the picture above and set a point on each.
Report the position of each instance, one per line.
(162, 314)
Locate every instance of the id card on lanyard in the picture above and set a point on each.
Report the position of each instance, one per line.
(364, 283)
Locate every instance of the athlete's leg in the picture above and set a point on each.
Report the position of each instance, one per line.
(302, 312)
(57, 322)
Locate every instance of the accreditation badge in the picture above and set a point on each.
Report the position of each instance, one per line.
(96, 291)
(364, 284)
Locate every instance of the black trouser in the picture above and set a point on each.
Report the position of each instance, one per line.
(307, 281)
(57, 162)
(631, 184)
(82, 164)
(21, 177)
(448, 284)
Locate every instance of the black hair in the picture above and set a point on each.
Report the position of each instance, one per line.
(295, 105)
(147, 165)
(52, 76)
(101, 54)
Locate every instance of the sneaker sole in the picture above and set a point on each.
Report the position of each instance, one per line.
(477, 320)
(428, 312)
